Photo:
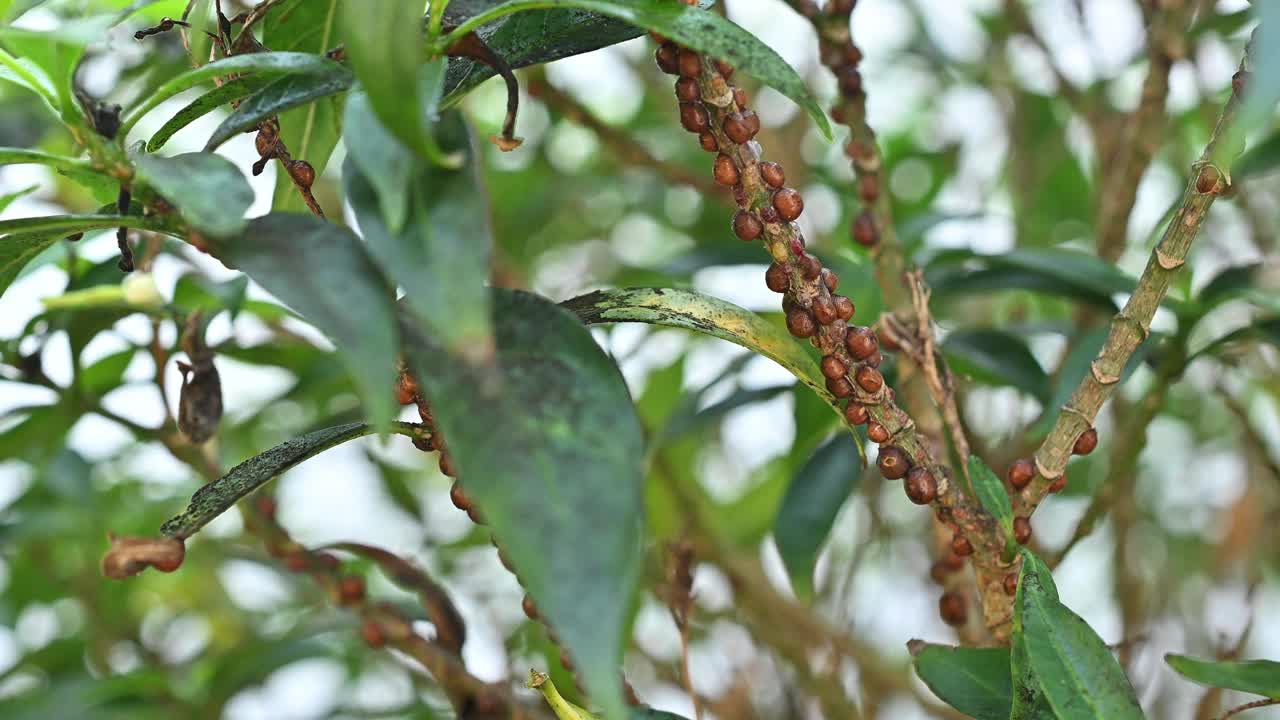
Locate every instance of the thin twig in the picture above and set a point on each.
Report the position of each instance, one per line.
(1249, 706)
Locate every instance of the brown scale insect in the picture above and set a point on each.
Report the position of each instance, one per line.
(200, 399)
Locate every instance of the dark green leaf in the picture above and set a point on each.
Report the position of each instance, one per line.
(1084, 348)
(991, 493)
(7, 199)
(269, 64)
(1260, 677)
(974, 681)
(1263, 330)
(1230, 282)
(1052, 196)
(1080, 677)
(809, 509)
(217, 497)
(38, 437)
(283, 94)
(701, 30)
(380, 160)
(106, 374)
(955, 280)
(311, 132)
(548, 445)
(227, 93)
(194, 292)
(18, 250)
(209, 191)
(689, 418)
(996, 357)
(23, 156)
(323, 272)
(441, 255)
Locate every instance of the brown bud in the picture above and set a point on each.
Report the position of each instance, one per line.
(921, 486)
(850, 81)
(777, 278)
(737, 128)
(693, 117)
(939, 572)
(326, 561)
(530, 610)
(266, 145)
(724, 68)
(265, 505)
(746, 225)
(752, 120)
(856, 413)
(504, 560)
(788, 203)
(740, 98)
(371, 633)
(844, 308)
(1087, 441)
(668, 58)
(824, 311)
(1022, 529)
(459, 498)
(446, 465)
(864, 230)
(1020, 473)
(961, 546)
(1060, 484)
(877, 432)
(810, 267)
(869, 188)
(406, 388)
(350, 589)
(772, 174)
(708, 142)
(833, 367)
(687, 90)
(297, 561)
(726, 173)
(893, 463)
(869, 379)
(302, 173)
(830, 279)
(954, 562)
(688, 64)
(861, 342)
(1011, 584)
(953, 608)
(769, 215)
(129, 556)
(840, 387)
(800, 323)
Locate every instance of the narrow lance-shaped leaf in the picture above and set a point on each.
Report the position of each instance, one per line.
(209, 192)
(547, 445)
(1029, 702)
(217, 497)
(323, 272)
(701, 30)
(1260, 677)
(283, 94)
(1080, 677)
(24, 156)
(975, 681)
(991, 493)
(997, 357)
(441, 254)
(227, 93)
(809, 509)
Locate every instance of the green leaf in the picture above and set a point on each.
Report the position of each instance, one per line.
(809, 509)
(268, 64)
(1260, 677)
(531, 38)
(209, 191)
(1262, 330)
(106, 374)
(7, 199)
(1029, 702)
(323, 272)
(311, 132)
(22, 156)
(691, 27)
(227, 93)
(991, 493)
(57, 51)
(379, 160)
(385, 45)
(217, 497)
(1083, 273)
(1080, 677)
(548, 445)
(997, 358)
(974, 681)
(1084, 348)
(704, 314)
(18, 250)
(283, 94)
(441, 255)
(1263, 89)
(195, 292)
(71, 224)
(1258, 161)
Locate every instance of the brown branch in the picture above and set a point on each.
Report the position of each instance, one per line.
(625, 147)
(1132, 324)
(1142, 132)
(1249, 706)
